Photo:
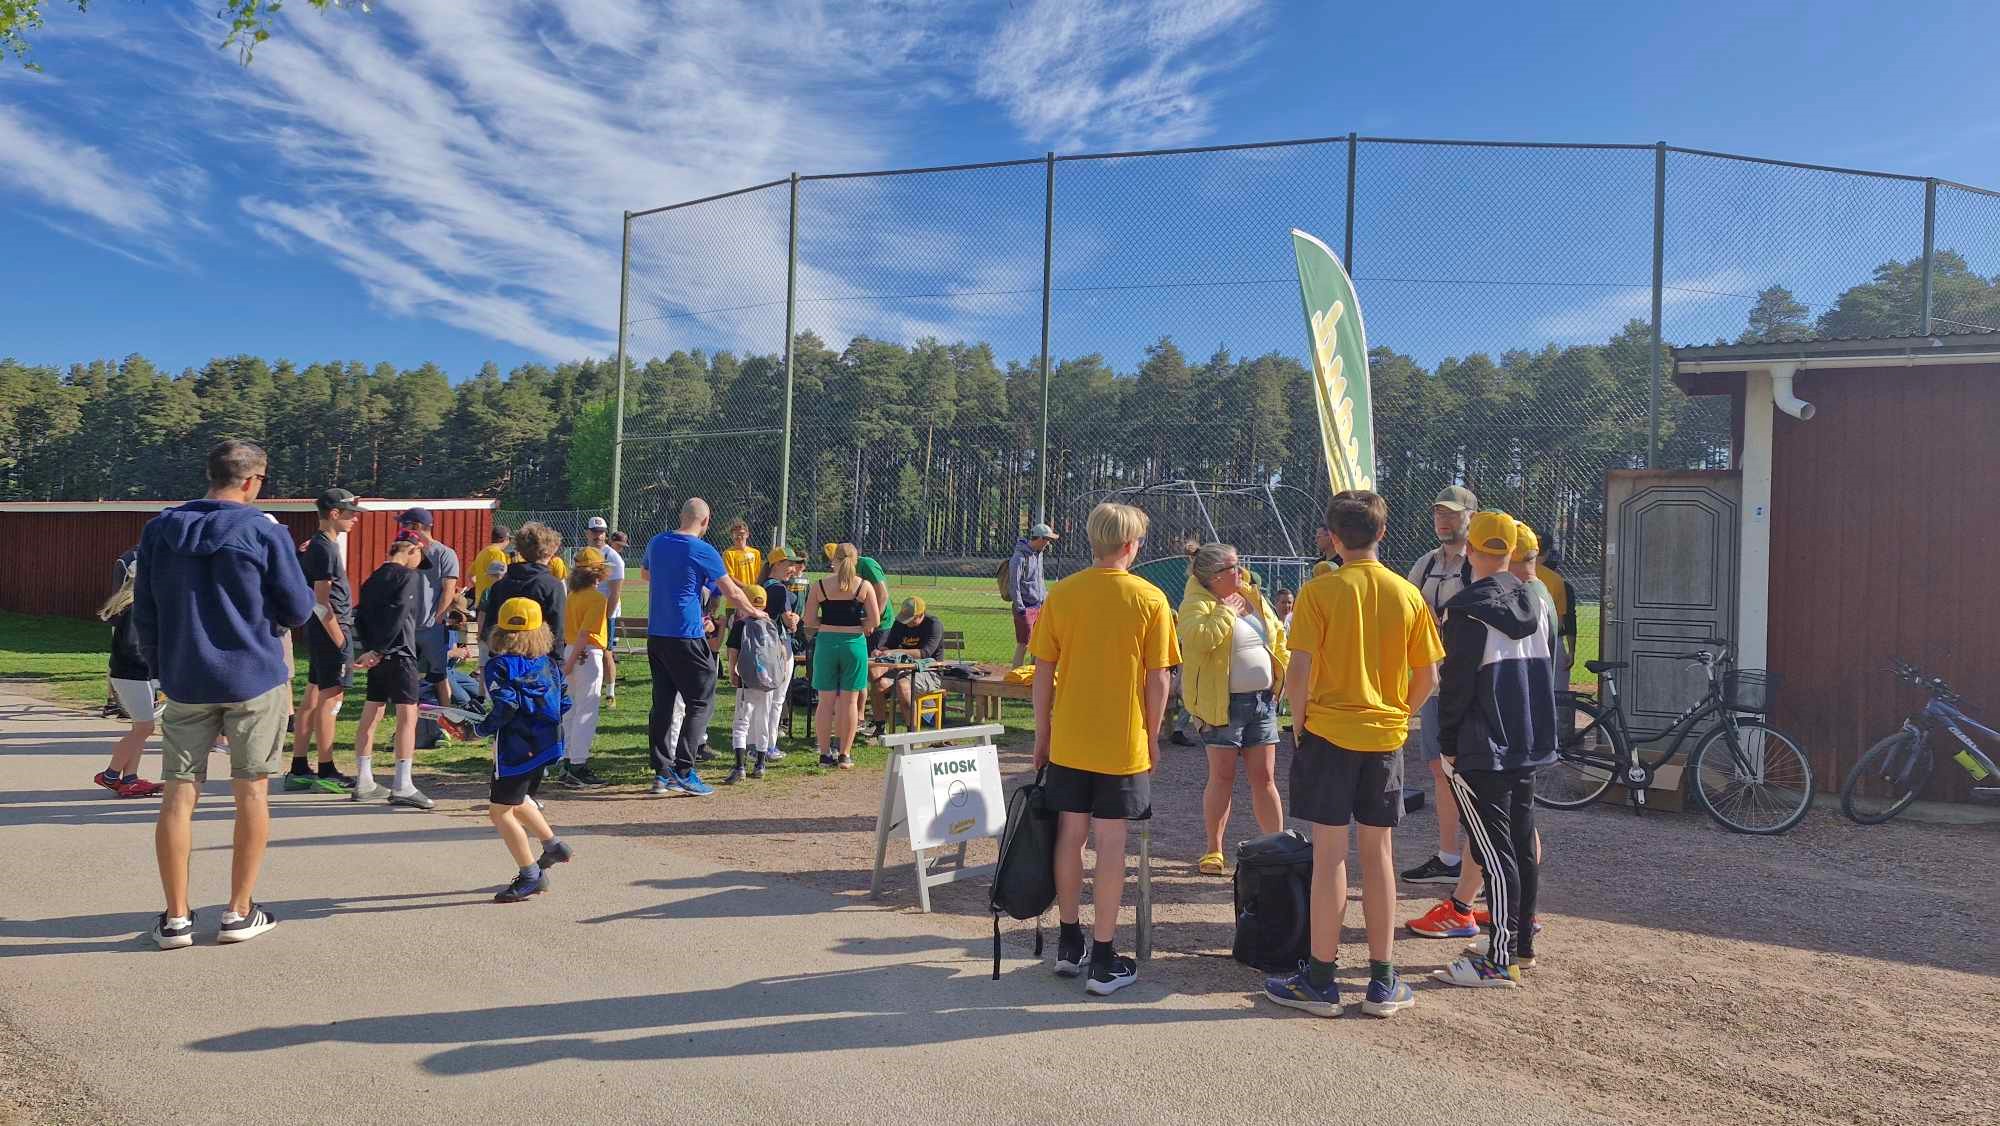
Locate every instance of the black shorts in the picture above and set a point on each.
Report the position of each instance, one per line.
(1107, 797)
(1332, 785)
(515, 788)
(329, 666)
(394, 681)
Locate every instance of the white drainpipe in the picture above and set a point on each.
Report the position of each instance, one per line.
(1781, 391)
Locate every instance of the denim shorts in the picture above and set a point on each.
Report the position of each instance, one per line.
(1253, 722)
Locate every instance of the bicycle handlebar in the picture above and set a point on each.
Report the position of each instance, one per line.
(1911, 674)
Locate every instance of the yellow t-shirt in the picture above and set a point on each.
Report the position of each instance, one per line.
(587, 612)
(483, 563)
(1558, 590)
(1103, 630)
(744, 564)
(1365, 627)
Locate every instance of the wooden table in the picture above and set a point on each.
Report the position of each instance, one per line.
(984, 693)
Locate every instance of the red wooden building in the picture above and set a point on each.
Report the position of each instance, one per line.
(1870, 523)
(74, 544)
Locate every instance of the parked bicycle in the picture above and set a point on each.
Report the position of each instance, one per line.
(1749, 776)
(1889, 777)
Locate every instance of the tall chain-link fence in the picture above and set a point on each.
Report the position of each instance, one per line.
(1510, 294)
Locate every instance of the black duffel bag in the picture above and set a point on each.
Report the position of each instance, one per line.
(1273, 898)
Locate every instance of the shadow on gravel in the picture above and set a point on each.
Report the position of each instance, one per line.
(874, 1007)
(130, 927)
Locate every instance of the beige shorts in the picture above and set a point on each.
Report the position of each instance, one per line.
(256, 731)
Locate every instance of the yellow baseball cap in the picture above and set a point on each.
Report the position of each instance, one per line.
(589, 557)
(830, 549)
(913, 608)
(1323, 567)
(520, 614)
(778, 555)
(1526, 544)
(756, 595)
(1492, 533)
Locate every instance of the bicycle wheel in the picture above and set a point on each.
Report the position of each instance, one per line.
(1886, 780)
(1762, 785)
(1586, 763)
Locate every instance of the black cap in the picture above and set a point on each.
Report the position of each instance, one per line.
(339, 500)
(420, 517)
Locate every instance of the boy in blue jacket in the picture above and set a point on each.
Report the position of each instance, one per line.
(528, 699)
(1497, 726)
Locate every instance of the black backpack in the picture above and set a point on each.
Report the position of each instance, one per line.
(1024, 879)
(1273, 897)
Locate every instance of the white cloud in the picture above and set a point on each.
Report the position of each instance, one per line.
(1073, 73)
(1603, 317)
(75, 176)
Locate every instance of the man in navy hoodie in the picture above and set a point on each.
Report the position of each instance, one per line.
(1497, 726)
(219, 590)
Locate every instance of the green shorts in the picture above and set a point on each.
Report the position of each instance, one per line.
(256, 730)
(840, 662)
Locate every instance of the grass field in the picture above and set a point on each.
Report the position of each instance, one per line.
(69, 657)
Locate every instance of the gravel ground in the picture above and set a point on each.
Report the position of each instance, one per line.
(36, 1086)
(1834, 975)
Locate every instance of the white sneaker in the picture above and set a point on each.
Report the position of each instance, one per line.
(774, 755)
(247, 927)
(1483, 946)
(175, 936)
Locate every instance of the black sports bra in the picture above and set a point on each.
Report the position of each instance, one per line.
(839, 611)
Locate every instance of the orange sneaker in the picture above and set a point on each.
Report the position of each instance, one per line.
(1444, 921)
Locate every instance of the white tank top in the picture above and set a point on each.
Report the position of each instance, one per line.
(1249, 657)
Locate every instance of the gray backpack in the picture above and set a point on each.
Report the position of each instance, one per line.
(764, 659)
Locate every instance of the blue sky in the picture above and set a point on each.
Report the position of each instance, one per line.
(442, 179)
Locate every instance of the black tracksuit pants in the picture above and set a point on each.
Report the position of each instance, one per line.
(684, 669)
(1498, 809)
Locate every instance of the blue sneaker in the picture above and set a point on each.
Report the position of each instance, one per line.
(1387, 1000)
(1297, 992)
(666, 784)
(692, 785)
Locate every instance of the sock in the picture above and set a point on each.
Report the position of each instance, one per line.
(741, 754)
(1449, 858)
(403, 782)
(231, 917)
(1319, 973)
(1100, 953)
(299, 765)
(327, 770)
(553, 843)
(364, 767)
(177, 921)
(129, 777)
(531, 872)
(1381, 973)
(1461, 908)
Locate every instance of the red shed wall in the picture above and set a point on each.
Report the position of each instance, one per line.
(78, 545)
(1885, 524)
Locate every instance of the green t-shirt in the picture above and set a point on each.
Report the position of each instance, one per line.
(872, 572)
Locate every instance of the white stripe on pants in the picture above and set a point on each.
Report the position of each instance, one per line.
(756, 725)
(586, 692)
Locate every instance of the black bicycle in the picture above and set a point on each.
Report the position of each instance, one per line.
(1892, 773)
(1751, 777)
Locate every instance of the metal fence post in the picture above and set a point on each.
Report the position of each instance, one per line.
(1930, 246)
(791, 311)
(1659, 282)
(618, 419)
(1347, 244)
(1048, 264)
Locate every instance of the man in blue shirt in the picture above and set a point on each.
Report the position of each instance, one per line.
(678, 567)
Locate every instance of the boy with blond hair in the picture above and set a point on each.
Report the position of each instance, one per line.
(1104, 649)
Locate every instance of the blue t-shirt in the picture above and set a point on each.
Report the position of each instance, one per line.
(681, 566)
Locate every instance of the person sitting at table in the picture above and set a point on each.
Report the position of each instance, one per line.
(916, 633)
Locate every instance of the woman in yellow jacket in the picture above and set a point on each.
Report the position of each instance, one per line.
(1233, 661)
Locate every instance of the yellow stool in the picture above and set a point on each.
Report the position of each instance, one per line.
(929, 706)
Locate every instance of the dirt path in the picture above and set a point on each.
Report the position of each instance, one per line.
(1835, 975)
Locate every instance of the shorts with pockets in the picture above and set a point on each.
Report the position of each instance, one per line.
(514, 789)
(1107, 797)
(256, 731)
(329, 666)
(840, 662)
(394, 681)
(433, 645)
(1332, 785)
(139, 698)
(1253, 722)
